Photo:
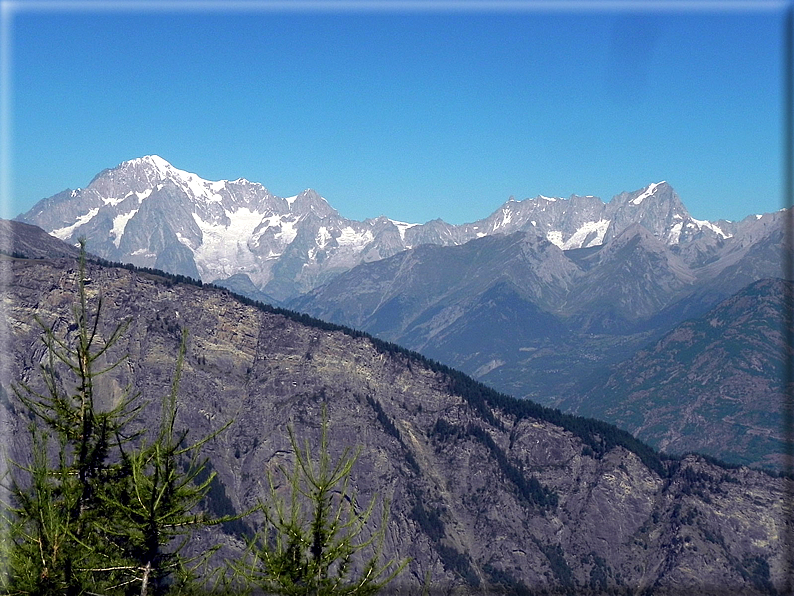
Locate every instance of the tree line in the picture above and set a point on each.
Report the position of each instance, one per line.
(597, 435)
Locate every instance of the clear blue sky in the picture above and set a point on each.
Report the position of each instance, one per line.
(412, 114)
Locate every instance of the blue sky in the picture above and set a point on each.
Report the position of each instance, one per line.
(413, 114)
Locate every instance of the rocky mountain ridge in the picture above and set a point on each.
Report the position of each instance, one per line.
(635, 285)
(532, 320)
(537, 300)
(714, 383)
(149, 213)
(488, 493)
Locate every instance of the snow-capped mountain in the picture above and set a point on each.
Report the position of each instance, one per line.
(581, 222)
(536, 299)
(533, 320)
(149, 213)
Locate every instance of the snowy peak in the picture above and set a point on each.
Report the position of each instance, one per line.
(149, 213)
(157, 169)
(647, 192)
(310, 201)
(402, 227)
(154, 171)
(586, 221)
(656, 192)
(153, 163)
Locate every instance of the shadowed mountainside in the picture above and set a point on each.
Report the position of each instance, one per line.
(713, 383)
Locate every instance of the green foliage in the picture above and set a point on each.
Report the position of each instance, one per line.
(158, 501)
(429, 519)
(445, 431)
(384, 419)
(58, 499)
(97, 509)
(312, 538)
(599, 574)
(218, 503)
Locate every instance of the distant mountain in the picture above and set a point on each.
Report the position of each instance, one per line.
(514, 311)
(536, 300)
(629, 289)
(488, 494)
(535, 321)
(419, 292)
(628, 280)
(713, 384)
(149, 213)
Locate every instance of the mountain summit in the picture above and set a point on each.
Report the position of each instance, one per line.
(149, 213)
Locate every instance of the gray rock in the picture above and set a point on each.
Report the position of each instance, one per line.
(148, 213)
(456, 460)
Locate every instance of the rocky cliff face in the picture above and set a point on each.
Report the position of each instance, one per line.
(487, 492)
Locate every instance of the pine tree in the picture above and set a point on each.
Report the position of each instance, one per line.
(98, 508)
(159, 504)
(57, 497)
(310, 540)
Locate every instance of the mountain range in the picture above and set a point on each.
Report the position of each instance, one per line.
(543, 299)
(488, 493)
(712, 384)
(149, 213)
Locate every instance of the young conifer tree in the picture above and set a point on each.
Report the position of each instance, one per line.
(98, 508)
(58, 496)
(159, 504)
(310, 540)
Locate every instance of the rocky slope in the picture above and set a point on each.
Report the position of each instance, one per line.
(541, 287)
(712, 384)
(633, 285)
(487, 492)
(536, 321)
(22, 239)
